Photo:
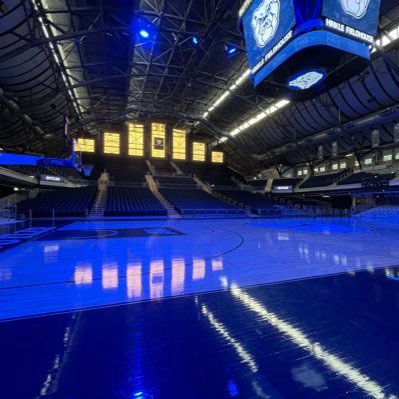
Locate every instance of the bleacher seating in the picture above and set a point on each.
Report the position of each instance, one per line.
(119, 169)
(221, 180)
(257, 184)
(5, 191)
(196, 200)
(257, 203)
(388, 214)
(289, 182)
(355, 178)
(128, 175)
(132, 201)
(176, 181)
(65, 202)
(213, 174)
(162, 166)
(297, 200)
(376, 181)
(322, 180)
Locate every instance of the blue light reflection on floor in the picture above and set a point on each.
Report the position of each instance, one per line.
(312, 226)
(327, 337)
(71, 268)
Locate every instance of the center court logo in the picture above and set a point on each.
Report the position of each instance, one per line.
(356, 8)
(265, 21)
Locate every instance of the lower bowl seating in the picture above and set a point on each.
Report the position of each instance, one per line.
(132, 201)
(65, 202)
(258, 203)
(197, 201)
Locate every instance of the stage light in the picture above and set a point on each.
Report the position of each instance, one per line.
(231, 50)
(144, 33)
(195, 40)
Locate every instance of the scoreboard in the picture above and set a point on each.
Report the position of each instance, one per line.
(301, 48)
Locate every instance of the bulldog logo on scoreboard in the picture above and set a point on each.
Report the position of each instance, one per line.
(307, 80)
(356, 8)
(265, 21)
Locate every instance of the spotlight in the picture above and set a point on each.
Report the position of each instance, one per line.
(230, 50)
(195, 40)
(144, 33)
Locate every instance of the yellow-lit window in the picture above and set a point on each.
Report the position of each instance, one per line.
(179, 144)
(158, 140)
(86, 145)
(136, 140)
(112, 143)
(217, 157)
(198, 151)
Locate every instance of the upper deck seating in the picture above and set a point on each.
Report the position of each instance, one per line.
(289, 182)
(176, 181)
(322, 180)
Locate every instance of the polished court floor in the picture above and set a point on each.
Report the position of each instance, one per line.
(289, 308)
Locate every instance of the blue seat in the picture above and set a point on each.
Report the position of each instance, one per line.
(132, 201)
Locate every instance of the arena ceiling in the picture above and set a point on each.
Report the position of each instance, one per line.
(86, 59)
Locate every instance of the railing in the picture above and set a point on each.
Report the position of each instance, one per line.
(208, 212)
(268, 212)
(9, 213)
(384, 212)
(232, 202)
(128, 184)
(53, 214)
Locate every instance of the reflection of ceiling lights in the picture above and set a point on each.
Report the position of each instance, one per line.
(222, 330)
(306, 80)
(314, 348)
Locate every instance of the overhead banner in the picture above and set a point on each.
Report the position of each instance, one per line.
(334, 149)
(320, 152)
(159, 143)
(375, 138)
(396, 133)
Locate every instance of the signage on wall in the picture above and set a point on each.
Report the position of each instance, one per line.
(49, 178)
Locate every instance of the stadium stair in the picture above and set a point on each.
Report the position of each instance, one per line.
(202, 185)
(172, 214)
(97, 211)
(269, 185)
(150, 166)
(178, 170)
